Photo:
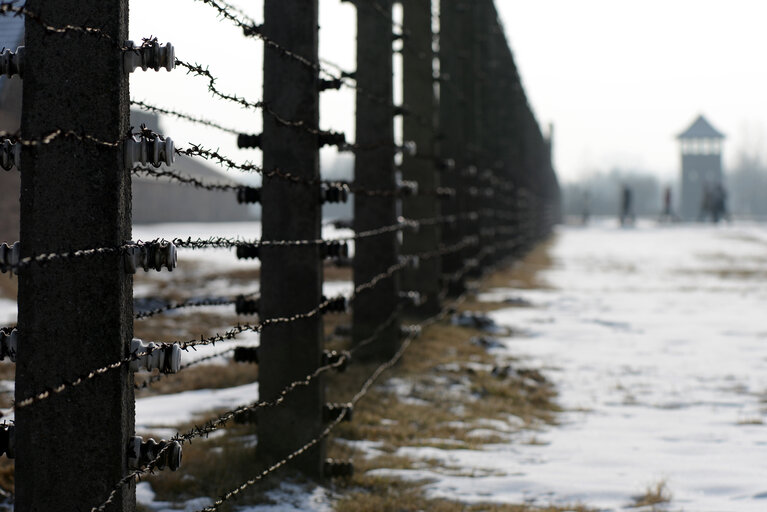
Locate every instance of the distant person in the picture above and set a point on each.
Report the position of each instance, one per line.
(718, 203)
(668, 214)
(627, 210)
(706, 203)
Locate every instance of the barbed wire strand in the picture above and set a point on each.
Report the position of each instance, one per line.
(222, 420)
(180, 115)
(228, 335)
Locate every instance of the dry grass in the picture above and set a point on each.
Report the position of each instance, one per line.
(525, 273)
(212, 467)
(9, 285)
(450, 387)
(200, 377)
(7, 475)
(657, 494)
(442, 388)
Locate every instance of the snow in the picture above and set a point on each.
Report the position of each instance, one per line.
(8, 312)
(656, 340)
(171, 410)
(655, 336)
(294, 497)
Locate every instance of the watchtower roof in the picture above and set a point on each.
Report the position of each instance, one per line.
(701, 129)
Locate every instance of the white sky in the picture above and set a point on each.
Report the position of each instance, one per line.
(618, 79)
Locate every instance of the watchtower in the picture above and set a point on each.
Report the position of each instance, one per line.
(701, 146)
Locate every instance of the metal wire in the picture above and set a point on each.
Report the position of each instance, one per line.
(187, 117)
(234, 331)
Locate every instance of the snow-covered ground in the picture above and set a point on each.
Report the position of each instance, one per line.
(657, 340)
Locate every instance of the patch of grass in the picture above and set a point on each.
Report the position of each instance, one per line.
(200, 377)
(437, 397)
(526, 272)
(450, 389)
(213, 467)
(398, 496)
(9, 285)
(656, 494)
(7, 474)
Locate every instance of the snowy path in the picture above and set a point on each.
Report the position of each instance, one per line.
(657, 340)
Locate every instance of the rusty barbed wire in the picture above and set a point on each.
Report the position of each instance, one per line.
(204, 341)
(198, 70)
(184, 179)
(151, 172)
(52, 135)
(364, 390)
(192, 303)
(180, 115)
(11, 7)
(251, 29)
(220, 421)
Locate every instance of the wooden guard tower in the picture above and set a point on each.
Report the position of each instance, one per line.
(701, 146)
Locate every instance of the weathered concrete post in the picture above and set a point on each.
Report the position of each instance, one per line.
(493, 104)
(471, 63)
(420, 102)
(291, 277)
(374, 170)
(452, 134)
(74, 315)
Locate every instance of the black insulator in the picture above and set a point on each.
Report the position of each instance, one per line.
(169, 457)
(8, 440)
(251, 30)
(336, 468)
(331, 412)
(326, 85)
(245, 306)
(331, 139)
(334, 250)
(248, 252)
(246, 355)
(332, 357)
(335, 305)
(335, 193)
(245, 140)
(248, 195)
(401, 110)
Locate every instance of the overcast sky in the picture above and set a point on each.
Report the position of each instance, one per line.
(618, 79)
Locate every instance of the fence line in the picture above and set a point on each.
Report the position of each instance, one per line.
(477, 190)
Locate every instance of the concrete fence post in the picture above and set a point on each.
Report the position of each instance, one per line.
(374, 170)
(291, 277)
(419, 127)
(452, 135)
(75, 315)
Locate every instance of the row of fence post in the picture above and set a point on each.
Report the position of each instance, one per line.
(475, 135)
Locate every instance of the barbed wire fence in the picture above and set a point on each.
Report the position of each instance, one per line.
(470, 187)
